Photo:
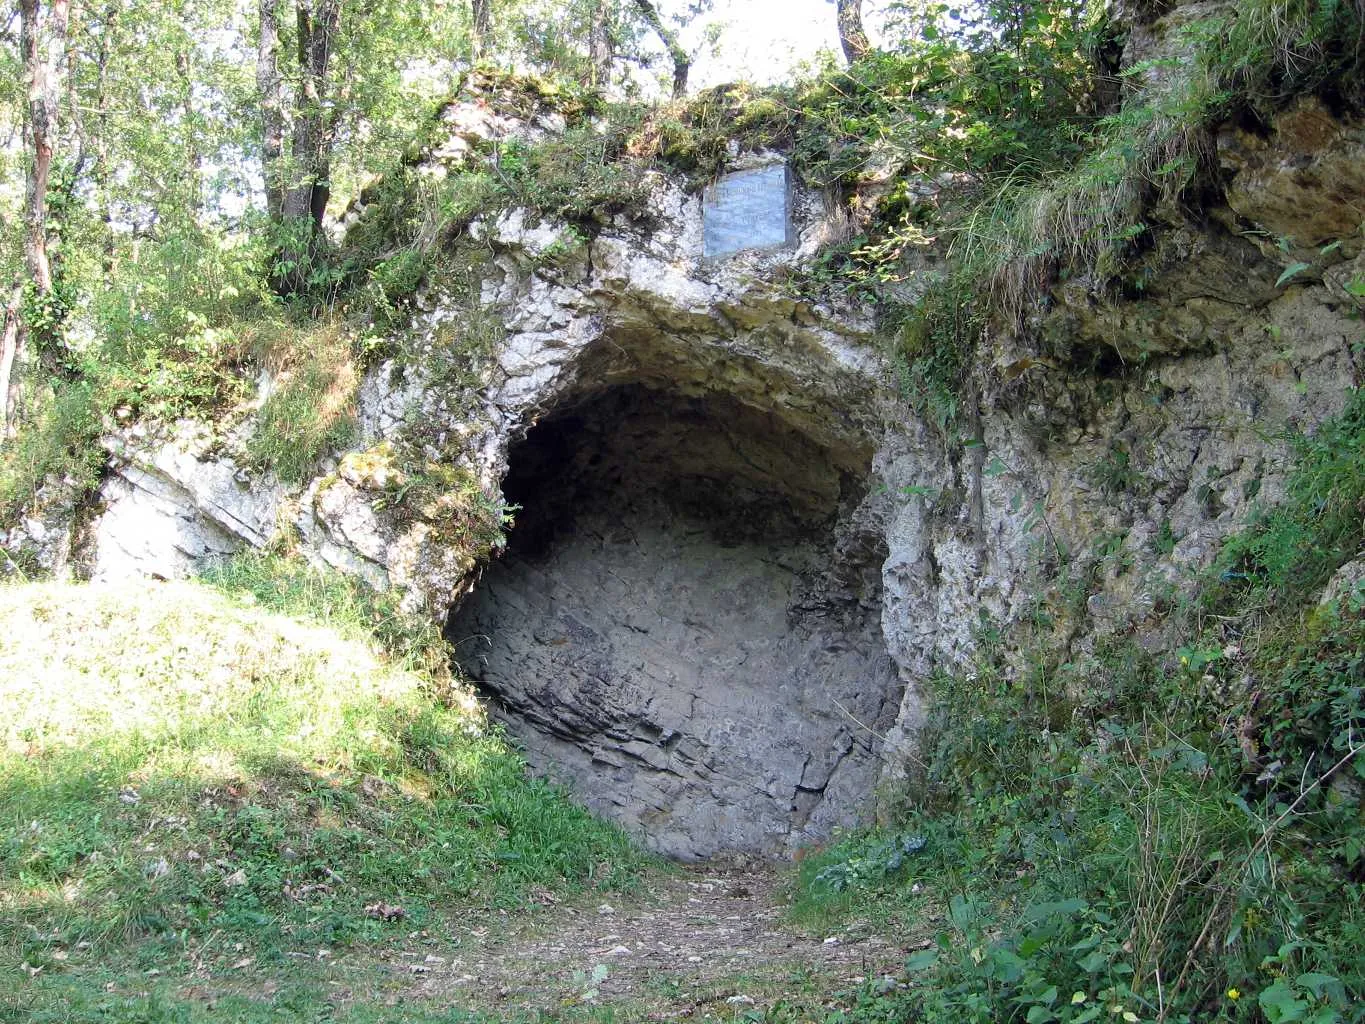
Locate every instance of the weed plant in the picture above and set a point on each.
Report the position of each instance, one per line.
(1156, 835)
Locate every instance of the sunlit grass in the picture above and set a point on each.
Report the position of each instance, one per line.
(179, 762)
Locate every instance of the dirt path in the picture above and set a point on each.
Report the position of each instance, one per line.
(697, 944)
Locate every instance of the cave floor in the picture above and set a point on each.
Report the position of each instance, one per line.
(693, 943)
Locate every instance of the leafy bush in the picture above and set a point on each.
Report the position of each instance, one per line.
(1155, 836)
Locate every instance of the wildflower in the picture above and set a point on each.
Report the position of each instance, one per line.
(1234, 995)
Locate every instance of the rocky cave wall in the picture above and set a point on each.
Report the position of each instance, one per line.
(684, 626)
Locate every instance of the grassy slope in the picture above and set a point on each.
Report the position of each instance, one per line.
(190, 777)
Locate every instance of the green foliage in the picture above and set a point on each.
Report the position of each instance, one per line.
(1291, 550)
(311, 410)
(1114, 472)
(1152, 835)
(1057, 174)
(414, 223)
(876, 860)
(164, 337)
(182, 765)
(694, 136)
(579, 175)
(469, 518)
(1154, 147)
(933, 351)
(1272, 50)
(60, 443)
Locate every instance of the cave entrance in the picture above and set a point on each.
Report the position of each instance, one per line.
(685, 625)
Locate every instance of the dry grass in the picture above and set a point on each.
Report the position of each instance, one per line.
(311, 407)
(1254, 53)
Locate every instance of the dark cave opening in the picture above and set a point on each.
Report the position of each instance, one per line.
(685, 626)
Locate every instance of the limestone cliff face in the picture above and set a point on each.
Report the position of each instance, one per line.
(739, 556)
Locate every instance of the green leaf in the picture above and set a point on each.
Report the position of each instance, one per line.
(921, 961)
(1319, 984)
(1093, 961)
(1280, 1004)
(1291, 271)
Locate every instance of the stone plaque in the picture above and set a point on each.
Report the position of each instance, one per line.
(748, 210)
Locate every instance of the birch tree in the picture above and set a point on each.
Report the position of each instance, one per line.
(32, 311)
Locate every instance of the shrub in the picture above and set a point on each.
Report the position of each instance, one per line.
(1154, 835)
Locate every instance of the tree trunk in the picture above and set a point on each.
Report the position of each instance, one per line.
(9, 351)
(682, 63)
(306, 195)
(192, 155)
(599, 44)
(297, 183)
(481, 25)
(43, 40)
(269, 90)
(851, 35)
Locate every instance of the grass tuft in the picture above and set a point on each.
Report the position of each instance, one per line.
(311, 410)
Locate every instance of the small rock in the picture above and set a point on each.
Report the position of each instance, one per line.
(741, 1000)
(833, 940)
(382, 911)
(606, 909)
(694, 959)
(129, 795)
(620, 951)
(235, 879)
